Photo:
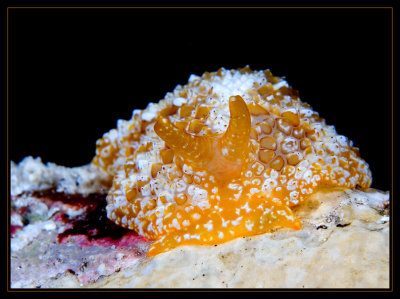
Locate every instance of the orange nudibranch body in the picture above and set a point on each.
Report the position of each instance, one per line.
(225, 156)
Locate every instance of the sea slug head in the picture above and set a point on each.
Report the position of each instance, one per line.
(225, 156)
(222, 156)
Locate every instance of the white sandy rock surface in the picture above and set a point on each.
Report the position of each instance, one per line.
(344, 243)
(33, 175)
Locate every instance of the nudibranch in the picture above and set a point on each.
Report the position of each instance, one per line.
(225, 156)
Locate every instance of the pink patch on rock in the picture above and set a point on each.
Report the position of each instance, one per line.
(128, 240)
(14, 229)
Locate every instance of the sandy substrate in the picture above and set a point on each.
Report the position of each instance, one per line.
(344, 243)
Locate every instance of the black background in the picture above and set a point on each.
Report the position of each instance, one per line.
(74, 72)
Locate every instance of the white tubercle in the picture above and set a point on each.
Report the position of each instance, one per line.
(179, 101)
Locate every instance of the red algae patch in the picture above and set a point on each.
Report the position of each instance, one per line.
(72, 235)
(128, 239)
(91, 226)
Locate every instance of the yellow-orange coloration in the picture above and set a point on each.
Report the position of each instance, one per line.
(225, 156)
(221, 156)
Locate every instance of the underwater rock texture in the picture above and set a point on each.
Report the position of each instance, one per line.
(343, 243)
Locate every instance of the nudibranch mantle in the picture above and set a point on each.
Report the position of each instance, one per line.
(225, 156)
